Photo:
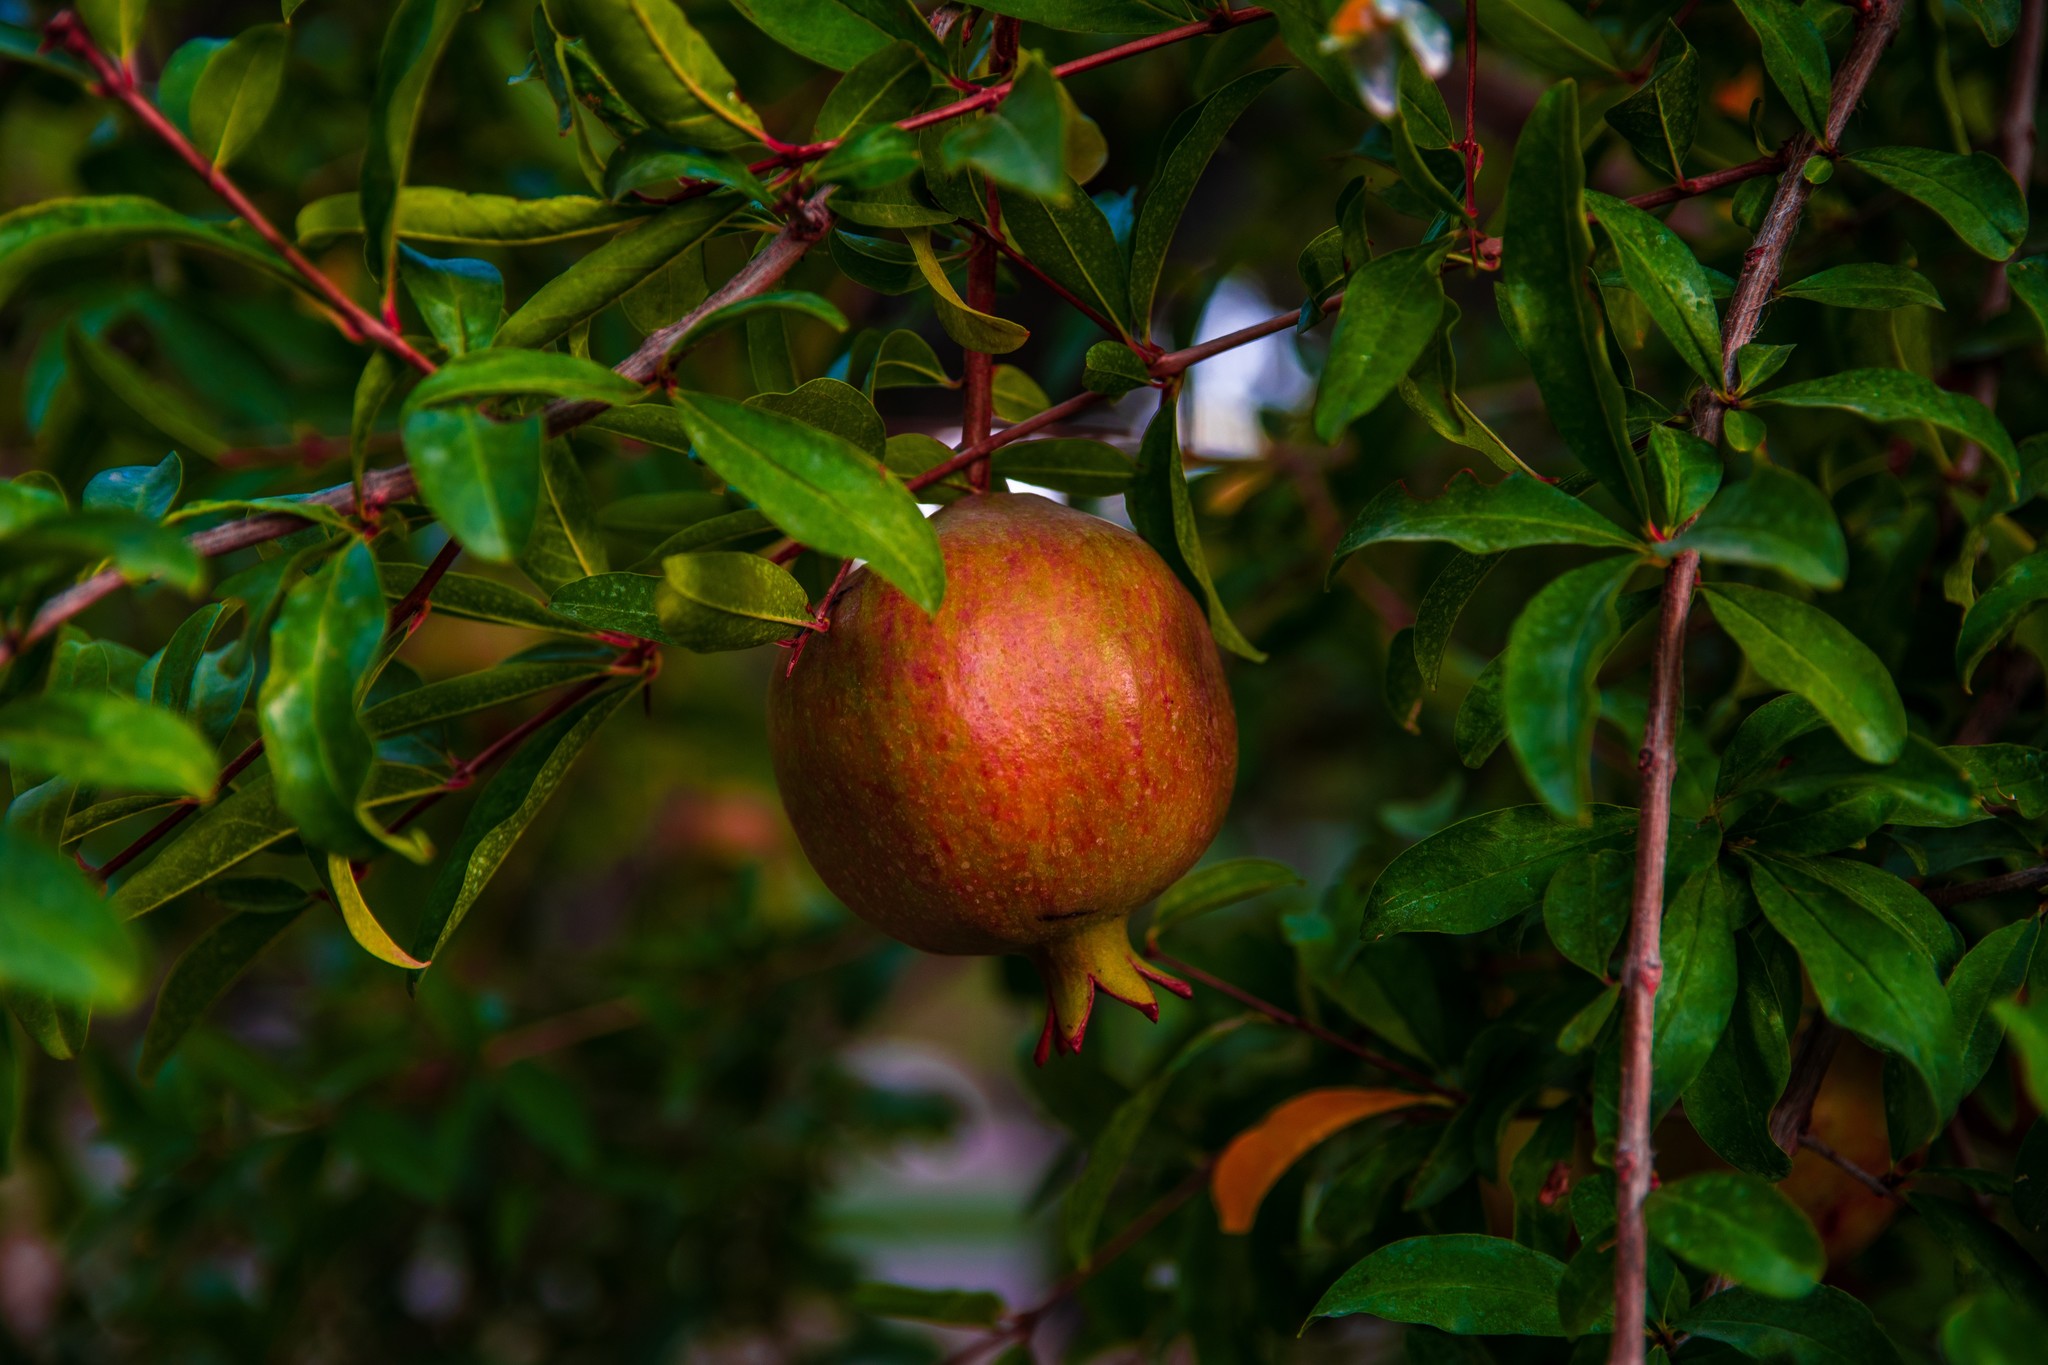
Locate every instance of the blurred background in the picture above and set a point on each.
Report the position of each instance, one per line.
(664, 1100)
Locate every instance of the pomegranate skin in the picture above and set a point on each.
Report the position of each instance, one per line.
(1020, 771)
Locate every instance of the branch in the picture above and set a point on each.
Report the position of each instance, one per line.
(67, 31)
(1693, 185)
(977, 417)
(2026, 879)
(1643, 971)
(1874, 1184)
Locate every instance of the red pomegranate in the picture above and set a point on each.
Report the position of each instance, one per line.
(1022, 770)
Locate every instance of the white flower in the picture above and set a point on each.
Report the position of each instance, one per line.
(1362, 31)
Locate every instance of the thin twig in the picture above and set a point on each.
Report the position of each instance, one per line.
(1644, 970)
(1874, 1184)
(67, 31)
(1025, 264)
(978, 414)
(1794, 1109)
(1694, 185)
(2026, 879)
(1295, 1021)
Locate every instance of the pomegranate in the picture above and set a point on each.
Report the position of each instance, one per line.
(1020, 771)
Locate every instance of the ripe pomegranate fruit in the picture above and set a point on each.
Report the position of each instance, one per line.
(1020, 771)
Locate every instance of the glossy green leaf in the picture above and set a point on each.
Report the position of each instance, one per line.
(721, 600)
(1994, 970)
(481, 477)
(870, 159)
(1729, 1101)
(145, 490)
(1685, 473)
(1871, 978)
(1740, 1228)
(103, 739)
(1773, 519)
(828, 33)
(1698, 992)
(1020, 143)
(888, 84)
(1162, 512)
(1192, 143)
(500, 370)
(654, 161)
(1827, 1327)
(603, 276)
(523, 676)
(59, 937)
(418, 35)
(1900, 396)
(501, 814)
(1794, 646)
(2010, 598)
(564, 544)
(782, 301)
(1068, 238)
(1486, 870)
(1430, 388)
(1864, 285)
(1796, 56)
(975, 331)
(2006, 775)
(1975, 195)
(1437, 614)
(202, 974)
(1549, 681)
(1670, 281)
(116, 25)
(820, 488)
(429, 213)
(461, 300)
(1586, 905)
(1660, 119)
(234, 95)
(1459, 1282)
(57, 230)
(1483, 518)
(1067, 465)
(662, 66)
(1542, 289)
(475, 599)
(1392, 306)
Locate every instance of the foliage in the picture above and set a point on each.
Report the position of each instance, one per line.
(387, 982)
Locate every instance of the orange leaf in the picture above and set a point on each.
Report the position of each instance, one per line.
(1257, 1158)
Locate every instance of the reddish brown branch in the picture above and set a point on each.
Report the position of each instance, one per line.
(2026, 879)
(1643, 971)
(67, 31)
(1711, 181)
(1017, 258)
(1874, 1184)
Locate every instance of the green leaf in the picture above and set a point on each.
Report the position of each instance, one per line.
(1441, 605)
(1081, 1213)
(951, 1307)
(1161, 512)
(1550, 680)
(1871, 978)
(234, 95)
(116, 25)
(1585, 907)
(145, 490)
(2010, 598)
(1021, 143)
(125, 394)
(1988, 1328)
(1697, 994)
(1730, 1100)
(1988, 1249)
(525, 675)
(653, 158)
(1392, 305)
(564, 544)
(1550, 34)
(2006, 775)
(663, 68)
(500, 370)
(59, 938)
(1975, 195)
(870, 159)
(1827, 1327)
(1460, 1282)
(429, 213)
(1113, 370)
(461, 300)
(139, 548)
(826, 32)
(481, 477)
(103, 739)
(1992, 971)
(620, 602)
(1796, 56)
(418, 34)
(901, 360)
(370, 936)
(1486, 870)
(745, 310)
(1773, 519)
(1543, 291)
(1483, 518)
(620, 265)
(1217, 886)
(1669, 279)
(1660, 118)
(1191, 144)
(1798, 648)
(1430, 388)
(1685, 473)
(321, 650)
(1900, 396)
(35, 238)
(819, 488)
(202, 974)
(1864, 285)
(833, 406)
(725, 600)
(1068, 238)
(475, 599)
(974, 331)
(502, 813)
(1740, 1228)
(888, 84)
(1073, 465)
